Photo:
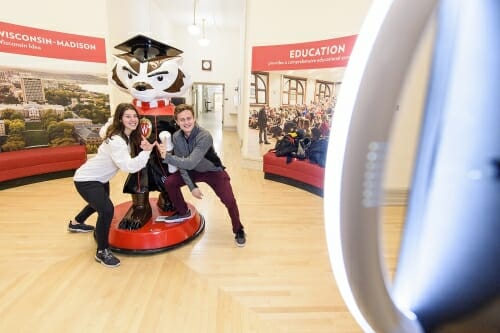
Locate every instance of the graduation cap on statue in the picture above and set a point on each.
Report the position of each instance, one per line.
(145, 48)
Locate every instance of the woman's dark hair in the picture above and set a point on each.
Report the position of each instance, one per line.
(117, 127)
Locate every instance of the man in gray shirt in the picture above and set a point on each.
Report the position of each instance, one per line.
(197, 161)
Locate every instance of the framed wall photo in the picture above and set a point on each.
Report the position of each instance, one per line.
(206, 65)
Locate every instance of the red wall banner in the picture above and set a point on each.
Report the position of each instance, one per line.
(19, 39)
(320, 54)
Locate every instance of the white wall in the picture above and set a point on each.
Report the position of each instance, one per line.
(125, 19)
(87, 17)
(225, 53)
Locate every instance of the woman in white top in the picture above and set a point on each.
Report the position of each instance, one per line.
(92, 178)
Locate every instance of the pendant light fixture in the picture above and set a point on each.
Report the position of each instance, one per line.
(193, 28)
(204, 41)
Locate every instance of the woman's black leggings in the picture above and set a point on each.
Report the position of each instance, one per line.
(97, 196)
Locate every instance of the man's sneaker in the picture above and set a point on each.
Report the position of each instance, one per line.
(240, 238)
(107, 258)
(80, 227)
(176, 218)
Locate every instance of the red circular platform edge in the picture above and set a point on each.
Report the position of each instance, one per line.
(153, 236)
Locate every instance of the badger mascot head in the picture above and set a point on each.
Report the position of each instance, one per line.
(149, 70)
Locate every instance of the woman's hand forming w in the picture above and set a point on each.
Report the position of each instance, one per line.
(145, 145)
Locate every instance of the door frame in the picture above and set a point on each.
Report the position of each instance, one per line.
(200, 105)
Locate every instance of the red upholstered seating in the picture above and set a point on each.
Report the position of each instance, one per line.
(38, 161)
(299, 173)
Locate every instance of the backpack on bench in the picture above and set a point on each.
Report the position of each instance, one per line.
(287, 146)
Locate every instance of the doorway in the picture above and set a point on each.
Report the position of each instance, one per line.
(208, 103)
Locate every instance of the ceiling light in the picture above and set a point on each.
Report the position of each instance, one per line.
(204, 41)
(193, 29)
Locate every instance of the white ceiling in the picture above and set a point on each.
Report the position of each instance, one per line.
(218, 14)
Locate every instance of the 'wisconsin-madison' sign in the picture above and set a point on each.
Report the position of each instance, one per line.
(20, 39)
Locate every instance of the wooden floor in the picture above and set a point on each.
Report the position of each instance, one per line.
(280, 282)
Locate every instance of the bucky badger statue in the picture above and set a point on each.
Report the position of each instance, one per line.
(150, 71)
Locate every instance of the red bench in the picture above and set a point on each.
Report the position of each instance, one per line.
(38, 161)
(299, 173)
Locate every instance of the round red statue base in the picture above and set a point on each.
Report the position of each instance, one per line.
(153, 236)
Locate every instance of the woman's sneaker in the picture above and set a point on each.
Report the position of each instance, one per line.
(80, 227)
(107, 258)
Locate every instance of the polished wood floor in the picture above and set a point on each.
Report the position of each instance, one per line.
(280, 282)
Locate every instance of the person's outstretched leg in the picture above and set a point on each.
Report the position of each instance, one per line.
(220, 182)
(78, 223)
